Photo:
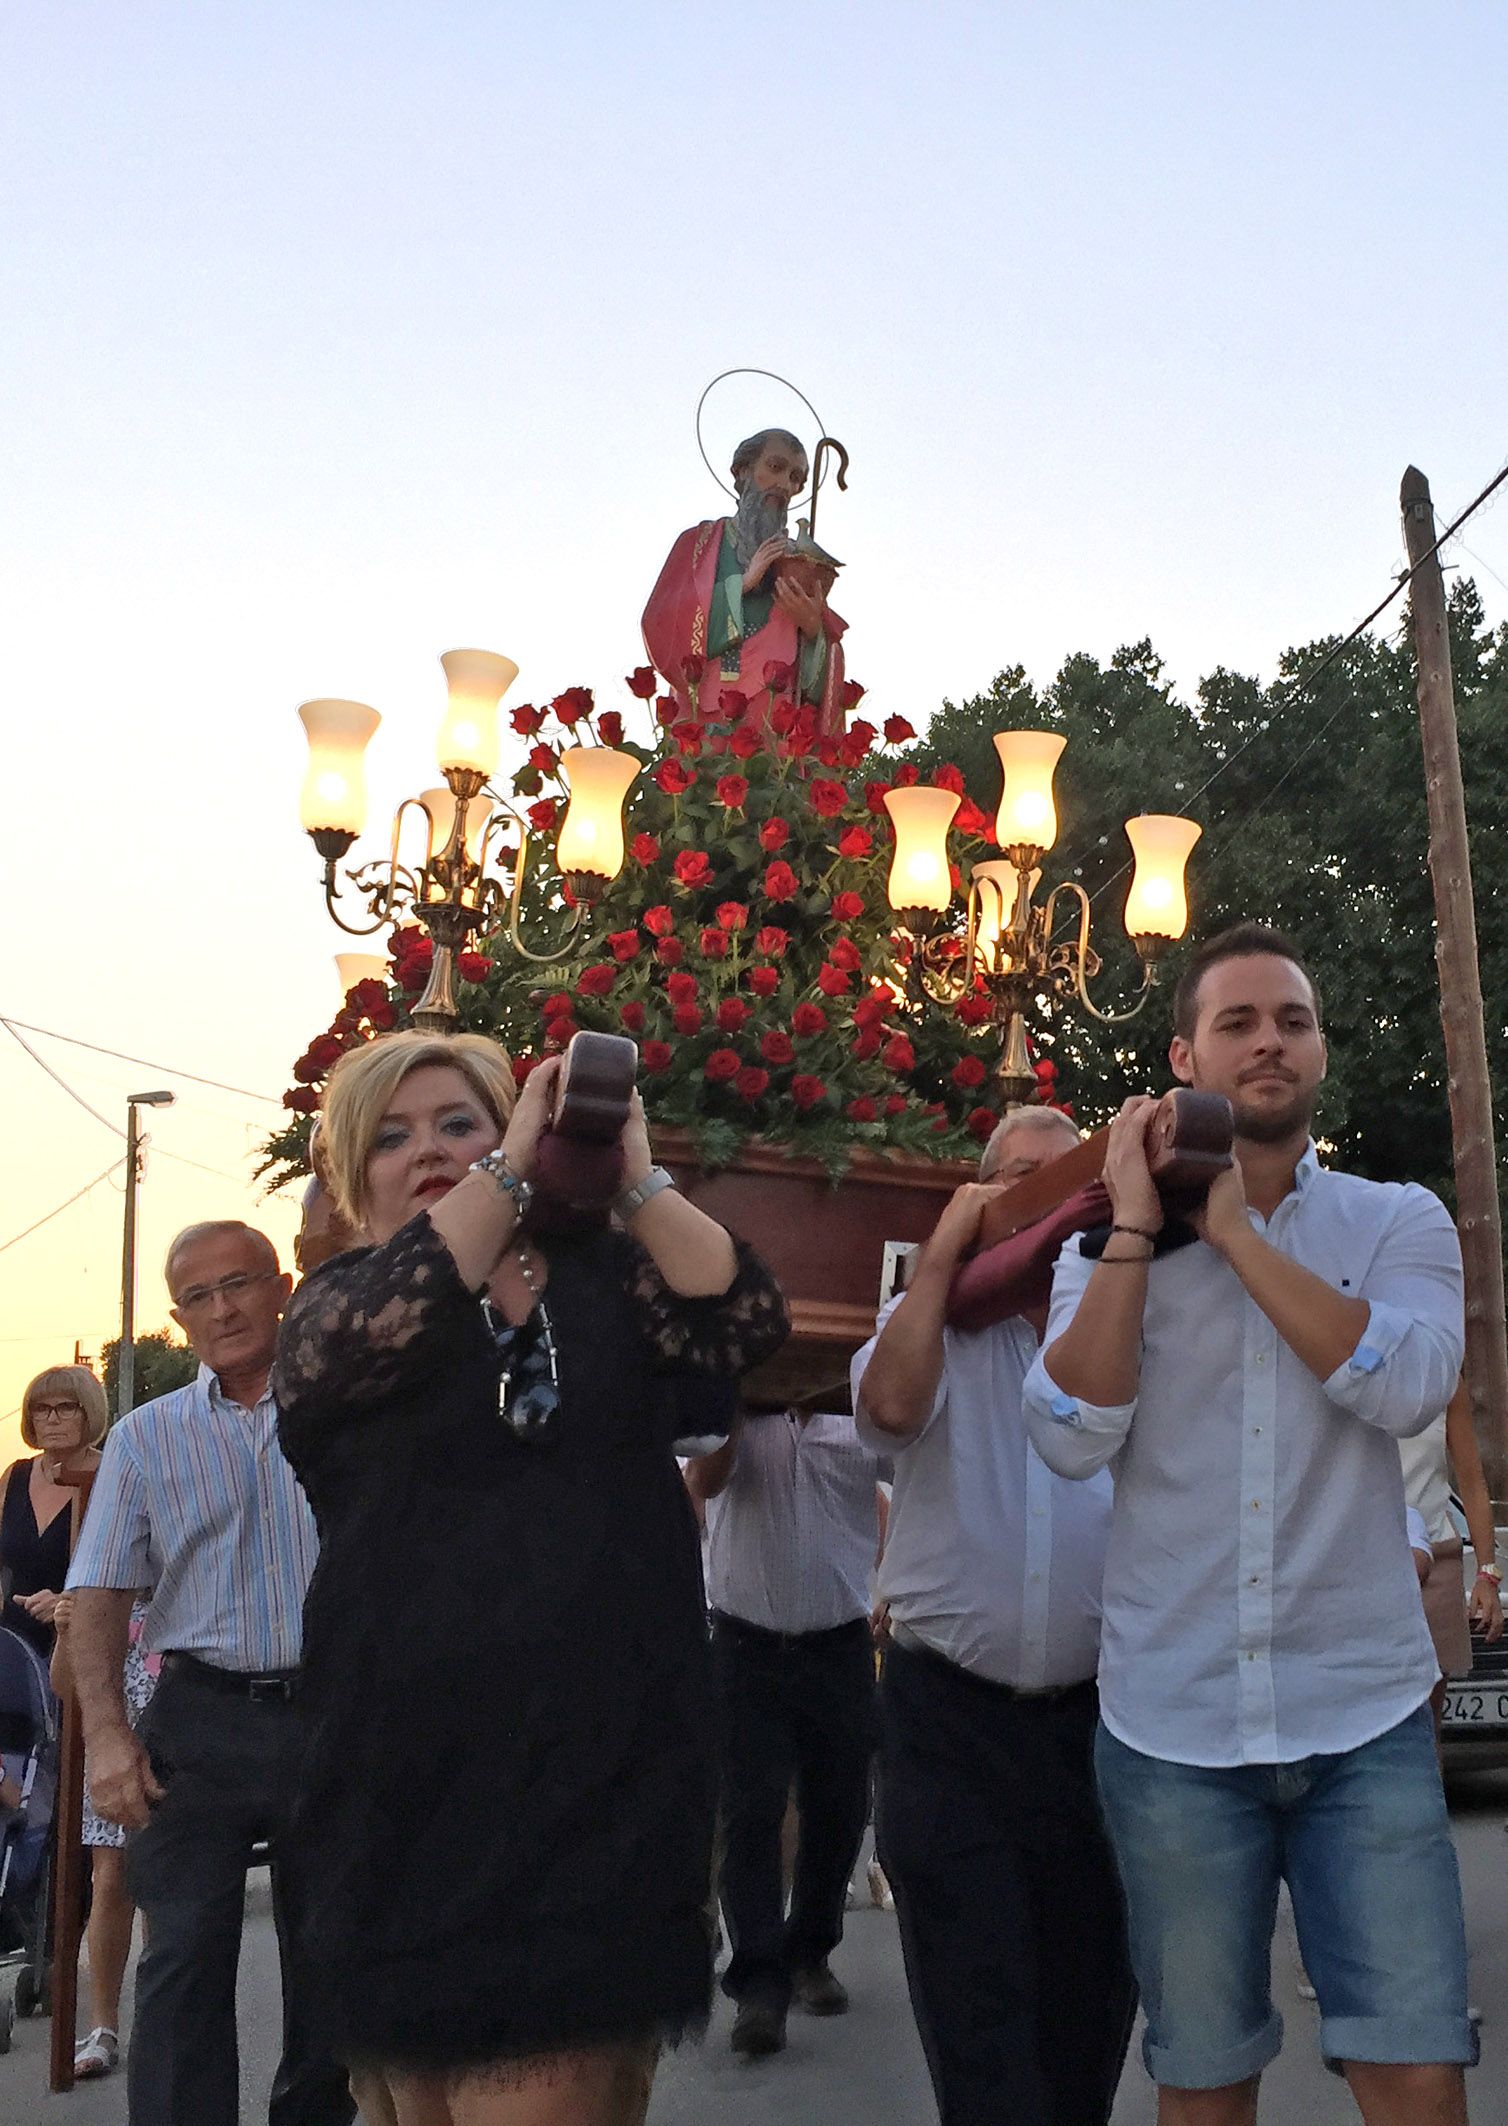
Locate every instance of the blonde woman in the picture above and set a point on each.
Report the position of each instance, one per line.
(64, 1416)
(507, 1783)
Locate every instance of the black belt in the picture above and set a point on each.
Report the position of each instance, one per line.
(742, 1629)
(277, 1684)
(915, 1649)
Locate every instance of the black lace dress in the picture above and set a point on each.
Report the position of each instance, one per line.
(506, 1800)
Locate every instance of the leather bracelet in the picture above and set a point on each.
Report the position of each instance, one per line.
(1119, 1261)
(1140, 1231)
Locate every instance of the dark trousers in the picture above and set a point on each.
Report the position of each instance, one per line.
(793, 1708)
(1012, 1924)
(227, 1763)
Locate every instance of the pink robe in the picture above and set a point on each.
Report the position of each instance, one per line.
(675, 628)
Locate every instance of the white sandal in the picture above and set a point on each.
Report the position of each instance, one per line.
(98, 2056)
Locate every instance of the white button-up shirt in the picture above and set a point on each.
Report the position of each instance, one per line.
(1261, 1604)
(991, 1560)
(792, 1537)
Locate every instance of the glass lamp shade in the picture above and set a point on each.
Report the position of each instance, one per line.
(1157, 906)
(354, 967)
(996, 884)
(591, 834)
(442, 810)
(919, 876)
(1027, 817)
(478, 680)
(335, 785)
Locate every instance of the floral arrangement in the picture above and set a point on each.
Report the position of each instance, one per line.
(747, 945)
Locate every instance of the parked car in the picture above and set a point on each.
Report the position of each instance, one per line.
(1474, 1727)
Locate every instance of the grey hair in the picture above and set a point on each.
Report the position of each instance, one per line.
(213, 1228)
(748, 451)
(1022, 1117)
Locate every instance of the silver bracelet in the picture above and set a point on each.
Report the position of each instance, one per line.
(495, 1166)
(632, 1200)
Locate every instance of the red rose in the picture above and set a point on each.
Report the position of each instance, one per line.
(744, 743)
(806, 1092)
(642, 681)
(658, 921)
(732, 1014)
(542, 817)
(848, 907)
(780, 881)
(899, 1054)
(732, 791)
(948, 777)
(667, 709)
(692, 868)
(808, 1020)
(776, 1047)
(301, 1100)
(981, 1124)
(751, 1082)
(686, 1019)
(721, 1065)
(764, 981)
(383, 1017)
(473, 966)
(631, 1018)
(850, 694)
(860, 735)
(365, 996)
(670, 952)
(869, 1011)
(895, 1104)
(596, 981)
(688, 737)
(692, 668)
(969, 820)
(867, 1045)
(554, 1005)
(829, 751)
(1044, 1070)
(832, 981)
(778, 676)
(572, 705)
(846, 954)
(975, 1010)
(863, 1110)
(827, 798)
(655, 1056)
(855, 841)
(731, 705)
(672, 778)
(907, 775)
(770, 941)
(733, 915)
(545, 758)
(680, 988)
(897, 731)
(560, 1030)
(644, 849)
(526, 720)
(874, 796)
(610, 727)
(325, 1050)
(783, 718)
(774, 834)
(968, 1072)
(713, 943)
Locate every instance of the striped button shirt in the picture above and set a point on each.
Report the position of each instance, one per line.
(194, 1499)
(792, 1539)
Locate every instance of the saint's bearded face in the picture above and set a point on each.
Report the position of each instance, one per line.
(766, 489)
(759, 516)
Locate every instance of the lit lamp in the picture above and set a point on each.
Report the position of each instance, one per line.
(1026, 824)
(354, 967)
(1157, 908)
(333, 802)
(920, 884)
(440, 804)
(997, 905)
(468, 749)
(589, 852)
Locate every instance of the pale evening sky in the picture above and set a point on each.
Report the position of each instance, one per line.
(338, 336)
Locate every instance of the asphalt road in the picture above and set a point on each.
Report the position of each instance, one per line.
(865, 2068)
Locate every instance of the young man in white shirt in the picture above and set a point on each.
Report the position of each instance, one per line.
(1011, 1915)
(1265, 1667)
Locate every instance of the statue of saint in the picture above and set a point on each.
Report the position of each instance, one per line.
(738, 598)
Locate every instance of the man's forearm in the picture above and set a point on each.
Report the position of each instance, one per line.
(1321, 1326)
(97, 1651)
(1097, 1358)
(900, 1382)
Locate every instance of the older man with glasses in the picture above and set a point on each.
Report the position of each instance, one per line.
(195, 1500)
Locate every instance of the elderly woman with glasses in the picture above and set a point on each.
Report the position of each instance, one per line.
(64, 1416)
(508, 1778)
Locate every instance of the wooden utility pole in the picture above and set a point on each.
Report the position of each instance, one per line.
(1470, 1084)
(68, 1890)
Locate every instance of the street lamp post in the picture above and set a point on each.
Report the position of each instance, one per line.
(125, 1369)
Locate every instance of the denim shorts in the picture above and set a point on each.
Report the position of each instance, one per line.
(1363, 1841)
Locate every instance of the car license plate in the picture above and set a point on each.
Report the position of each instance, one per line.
(1466, 1706)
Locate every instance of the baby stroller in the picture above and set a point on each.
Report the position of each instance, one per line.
(29, 1768)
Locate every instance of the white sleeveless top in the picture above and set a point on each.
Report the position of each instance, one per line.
(1426, 1479)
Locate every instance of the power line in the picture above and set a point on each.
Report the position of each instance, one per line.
(114, 1128)
(145, 1062)
(58, 1209)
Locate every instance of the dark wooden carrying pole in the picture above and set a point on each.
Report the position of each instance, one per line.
(68, 1846)
(1470, 1083)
